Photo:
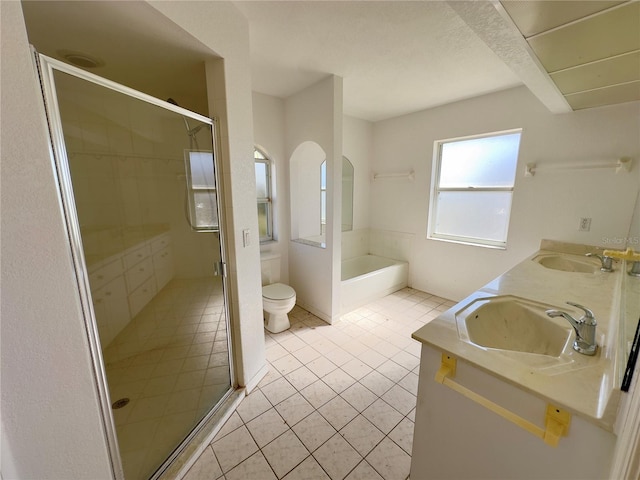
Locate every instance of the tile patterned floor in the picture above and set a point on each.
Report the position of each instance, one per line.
(172, 362)
(338, 402)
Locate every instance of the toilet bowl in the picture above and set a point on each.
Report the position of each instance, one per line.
(277, 301)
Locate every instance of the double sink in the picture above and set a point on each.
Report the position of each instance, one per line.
(516, 324)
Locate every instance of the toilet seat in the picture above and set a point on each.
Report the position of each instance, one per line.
(278, 291)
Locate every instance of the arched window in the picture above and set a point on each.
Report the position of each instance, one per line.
(264, 193)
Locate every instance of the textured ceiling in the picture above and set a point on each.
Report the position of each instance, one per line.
(395, 57)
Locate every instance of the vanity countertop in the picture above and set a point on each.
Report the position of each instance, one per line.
(588, 386)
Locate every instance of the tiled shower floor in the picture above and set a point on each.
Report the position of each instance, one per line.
(338, 402)
(172, 362)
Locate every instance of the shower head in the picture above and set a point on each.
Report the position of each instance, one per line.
(190, 131)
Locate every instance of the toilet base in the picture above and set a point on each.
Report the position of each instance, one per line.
(276, 322)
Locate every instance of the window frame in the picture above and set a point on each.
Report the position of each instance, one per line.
(435, 190)
(268, 200)
(192, 190)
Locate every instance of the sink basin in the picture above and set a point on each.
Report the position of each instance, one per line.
(567, 263)
(514, 324)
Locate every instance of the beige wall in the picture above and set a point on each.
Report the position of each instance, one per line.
(547, 205)
(50, 413)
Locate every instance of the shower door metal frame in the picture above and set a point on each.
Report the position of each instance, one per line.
(45, 67)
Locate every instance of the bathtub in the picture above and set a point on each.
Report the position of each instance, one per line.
(368, 278)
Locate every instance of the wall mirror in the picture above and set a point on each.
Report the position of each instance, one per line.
(347, 194)
(308, 194)
(631, 304)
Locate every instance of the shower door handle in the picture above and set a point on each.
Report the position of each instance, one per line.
(220, 269)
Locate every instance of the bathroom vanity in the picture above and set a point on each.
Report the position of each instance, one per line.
(503, 393)
(127, 267)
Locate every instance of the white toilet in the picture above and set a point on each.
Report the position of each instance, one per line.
(277, 298)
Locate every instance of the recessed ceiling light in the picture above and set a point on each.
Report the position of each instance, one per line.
(80, 59)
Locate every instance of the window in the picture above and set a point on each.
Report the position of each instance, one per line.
(472, 188)
(264, 195)
(201, 186)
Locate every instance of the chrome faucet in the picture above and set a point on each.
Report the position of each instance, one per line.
(607, 262)
(585, 328)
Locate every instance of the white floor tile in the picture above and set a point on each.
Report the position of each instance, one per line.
(400, 399)
(390, 461)
(278, 390)
(318, 393)
(392, 371)
(234, 422)
(313, 431)
(338, 412)
(356, 368)
(376, 382)
(321, 366)
(285, 453)
(383, 416)
(337, 457)
(266, 427)
(403, 435)
(294, 409)
(234, 448)
(359, 396)
(253, 405)
(301, 378)
(306, 354)
(406, 360)
(255, 467)
(338, 380)
(309, 469)
(205, 468)
(364, 471)
(410, 383)
(362, 435)
(286, 364)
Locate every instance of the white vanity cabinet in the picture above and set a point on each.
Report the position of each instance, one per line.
(162, 260)
(111, 309)
(109, 293)
(458, 438)
(502, 391)
(124, 283)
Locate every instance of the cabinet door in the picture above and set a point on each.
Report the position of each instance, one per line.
(111, 309)
(142, 295)
(138, 274)
(163, 267)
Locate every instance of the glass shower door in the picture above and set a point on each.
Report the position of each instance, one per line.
(138, 186)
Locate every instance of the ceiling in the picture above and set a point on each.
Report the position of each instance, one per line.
(395, 57)
(591, 50)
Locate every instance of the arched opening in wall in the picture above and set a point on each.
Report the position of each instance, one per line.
(305, 189)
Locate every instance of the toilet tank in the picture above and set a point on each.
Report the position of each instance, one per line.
(270, 268)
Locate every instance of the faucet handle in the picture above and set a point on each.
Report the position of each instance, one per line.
(605, 260)
(588, 317)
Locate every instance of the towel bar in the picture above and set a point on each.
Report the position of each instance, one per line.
(556, 420)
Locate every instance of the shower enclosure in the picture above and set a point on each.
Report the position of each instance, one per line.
(137, 179)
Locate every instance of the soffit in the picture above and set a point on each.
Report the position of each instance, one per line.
(591, 50)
